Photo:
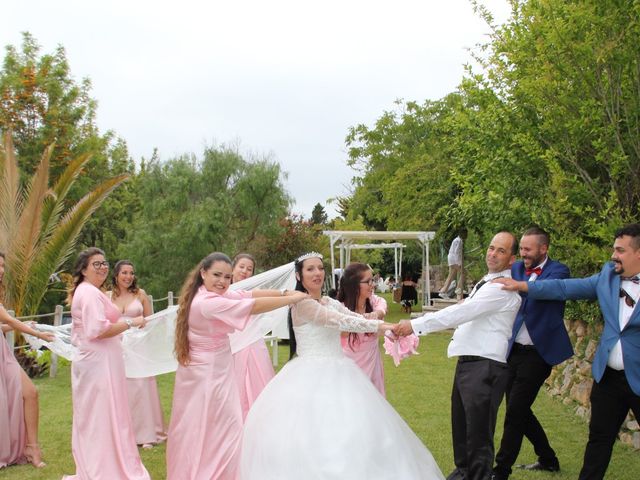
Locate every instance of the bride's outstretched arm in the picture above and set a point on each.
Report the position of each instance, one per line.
(334, 316)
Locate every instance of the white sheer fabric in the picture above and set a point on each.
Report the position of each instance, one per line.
(149, 351)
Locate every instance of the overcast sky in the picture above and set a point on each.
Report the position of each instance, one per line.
(284, 78)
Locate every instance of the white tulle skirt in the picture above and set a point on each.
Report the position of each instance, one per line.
(322, 418)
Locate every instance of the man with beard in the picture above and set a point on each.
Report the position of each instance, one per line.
(616, 364)
(539, 341)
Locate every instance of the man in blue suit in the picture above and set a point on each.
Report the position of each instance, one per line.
(616, 365)
(539, 341)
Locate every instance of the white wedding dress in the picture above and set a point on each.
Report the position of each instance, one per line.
(322, 418)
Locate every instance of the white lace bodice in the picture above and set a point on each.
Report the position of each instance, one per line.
(317, 326)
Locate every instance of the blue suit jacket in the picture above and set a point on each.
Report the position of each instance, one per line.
(544, 318)
(604, 286)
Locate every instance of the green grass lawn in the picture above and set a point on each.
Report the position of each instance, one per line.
(419, 389)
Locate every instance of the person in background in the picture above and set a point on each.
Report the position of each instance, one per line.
(144, 400)
(19, 406)
(356, 293)
(454, 260)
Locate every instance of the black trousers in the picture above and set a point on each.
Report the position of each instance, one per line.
(611, 399)
(527, 373)
(478, 387)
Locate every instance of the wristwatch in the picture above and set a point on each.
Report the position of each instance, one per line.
(283, 292)
(129, 322)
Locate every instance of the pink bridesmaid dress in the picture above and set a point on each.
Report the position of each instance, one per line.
(102, 440)
(205, 431)
(365, 350)
(13, 436)
(253, 370)
(144, 400)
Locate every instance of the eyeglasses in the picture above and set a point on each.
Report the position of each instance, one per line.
(97, 265)
(627, 298)
(371, 281)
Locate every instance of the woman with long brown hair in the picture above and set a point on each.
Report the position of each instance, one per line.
(206, 418)
(356, 293)
(19, 409)
(102, 440)
(144, 400)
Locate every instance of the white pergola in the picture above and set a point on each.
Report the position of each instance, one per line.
(346, 240)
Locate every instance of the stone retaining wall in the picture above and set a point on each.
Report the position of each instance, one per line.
(571, 381)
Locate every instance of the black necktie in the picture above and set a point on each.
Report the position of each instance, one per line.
(477, 287)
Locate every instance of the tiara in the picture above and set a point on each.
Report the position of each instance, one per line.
(304, 257)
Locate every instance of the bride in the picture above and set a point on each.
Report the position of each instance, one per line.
(321, 417)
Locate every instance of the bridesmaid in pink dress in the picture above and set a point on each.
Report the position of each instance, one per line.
(205, 431)
(252, 364)
(102, 440)
(356, 293)
(18, 397)
(144, 400)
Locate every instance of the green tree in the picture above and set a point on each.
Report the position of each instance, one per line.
(191, 207)
(37, 232)
(43, 105)
(318, 215)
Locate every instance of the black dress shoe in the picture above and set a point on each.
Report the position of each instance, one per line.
(541, 467)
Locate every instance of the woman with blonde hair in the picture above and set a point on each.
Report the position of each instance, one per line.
(206, 418)
(19, 409)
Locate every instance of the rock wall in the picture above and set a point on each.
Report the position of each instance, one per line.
(571, 381)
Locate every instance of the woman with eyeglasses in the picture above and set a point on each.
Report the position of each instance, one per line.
(144, 400)
(356, 293)
(18, 397)
(205, 431)
(103, 441)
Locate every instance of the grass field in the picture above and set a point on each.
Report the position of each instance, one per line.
(419, 389)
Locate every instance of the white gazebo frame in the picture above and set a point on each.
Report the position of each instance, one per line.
(345, 241)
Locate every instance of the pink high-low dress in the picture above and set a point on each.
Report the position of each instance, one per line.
(365, 349)
(102, 440)
(144, 400)
(253, 369)
(13, 436)
(205, 431)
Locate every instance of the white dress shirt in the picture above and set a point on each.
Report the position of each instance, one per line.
(484, 321)
(615, 356)
(523, 337)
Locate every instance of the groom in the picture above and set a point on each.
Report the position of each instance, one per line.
(483, 324)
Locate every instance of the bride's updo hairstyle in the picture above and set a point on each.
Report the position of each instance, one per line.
(189, 290)
(350, 290)
(297, 266)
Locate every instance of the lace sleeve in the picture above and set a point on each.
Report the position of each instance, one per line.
(332, 314)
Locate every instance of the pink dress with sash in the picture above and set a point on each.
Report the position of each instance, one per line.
(253, 370)
(205, 431)
(13, 436)
(365, 350)
(144, 400)
(102, 440)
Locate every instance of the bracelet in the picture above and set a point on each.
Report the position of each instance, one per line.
(129, 322)
(283, 292)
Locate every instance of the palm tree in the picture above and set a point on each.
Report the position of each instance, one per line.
(38, 232)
